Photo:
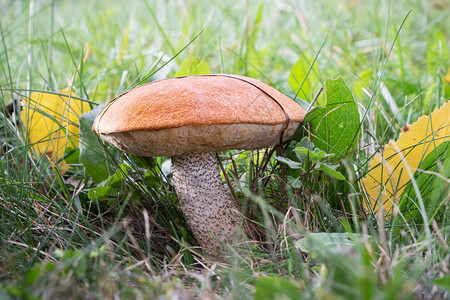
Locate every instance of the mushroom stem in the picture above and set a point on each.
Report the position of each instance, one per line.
(210, 212)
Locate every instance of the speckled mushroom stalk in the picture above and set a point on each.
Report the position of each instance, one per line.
(210, 212)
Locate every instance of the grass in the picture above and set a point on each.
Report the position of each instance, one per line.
(57, 242)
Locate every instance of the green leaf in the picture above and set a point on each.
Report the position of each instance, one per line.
(33, 275)
(294, 182)
(268, 288)
(315, 156)
(319, 242)
(72, 155)
(330, 171)
(443, 282)
(92, 154)
(152, 180)
(143, 161)
(335, 126)
(109, 187)
(303, 76)
(192, 66)
(306, 152)
(292, 164)
(116, 180)
(101, 193)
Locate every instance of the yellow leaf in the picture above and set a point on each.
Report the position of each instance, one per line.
(388, 174)
(51, 122)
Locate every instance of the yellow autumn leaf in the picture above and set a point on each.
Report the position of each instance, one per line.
(51, 122)
(388, 173)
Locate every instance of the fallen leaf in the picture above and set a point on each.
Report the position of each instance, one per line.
(51, 122)
(388, 174)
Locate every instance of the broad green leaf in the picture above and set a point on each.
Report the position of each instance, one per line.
(328, 241)
(292, 164)
(272, 288)
(116, 180)
(315, 155)
(330, 171)
(335, 125)
(33, 275)
(303, 76)
(295, 182)
(109, 187)
(143, 161)
(443, 282)
(192, 66)
(152, 180)
(305, 151)
(92, 154)
(72, 155)
(102, 193)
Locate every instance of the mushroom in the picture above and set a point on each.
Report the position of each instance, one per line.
(190, 119)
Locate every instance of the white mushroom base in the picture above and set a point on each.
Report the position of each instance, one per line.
(210, 212)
